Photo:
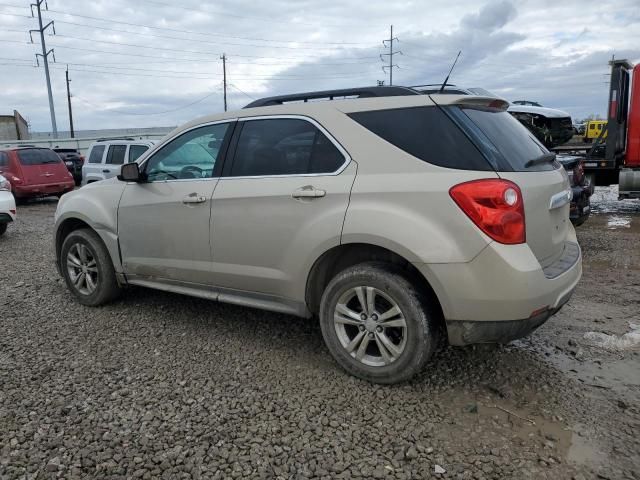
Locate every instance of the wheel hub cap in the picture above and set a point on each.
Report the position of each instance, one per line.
(82, 269)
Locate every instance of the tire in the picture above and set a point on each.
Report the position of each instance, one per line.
(99, 285)
(413, 344)
(3, 228)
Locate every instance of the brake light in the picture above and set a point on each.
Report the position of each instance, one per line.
(495, 206)
(5, 185)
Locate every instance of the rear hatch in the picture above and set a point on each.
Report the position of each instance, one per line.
(41, 166)
(518, 156)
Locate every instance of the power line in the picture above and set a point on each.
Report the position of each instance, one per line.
(390, 55)
(242, 91)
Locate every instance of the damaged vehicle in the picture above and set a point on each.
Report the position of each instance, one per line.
(581, 188)
(552, 127)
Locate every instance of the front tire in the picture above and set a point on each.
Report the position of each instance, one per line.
(3, 228)
(377, 325)
(87, 268)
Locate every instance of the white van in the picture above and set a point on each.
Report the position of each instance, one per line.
(106, 157)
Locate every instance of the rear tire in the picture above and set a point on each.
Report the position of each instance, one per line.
(3, 228)
(377, 325)
(87, 268)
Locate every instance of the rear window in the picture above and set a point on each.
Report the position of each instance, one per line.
(115, 154)
(96, 154)
(515, 144)
(38, 156)
(427, 133)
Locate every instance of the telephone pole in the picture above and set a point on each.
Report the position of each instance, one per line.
(45, 55)
(224, 78)
(66, 74)
(391, 53)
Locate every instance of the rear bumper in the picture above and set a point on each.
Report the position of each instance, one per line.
(503, 293)
(7, 207)
(21, 191)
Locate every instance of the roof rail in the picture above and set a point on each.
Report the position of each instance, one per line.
(131, 139)
(364, 92)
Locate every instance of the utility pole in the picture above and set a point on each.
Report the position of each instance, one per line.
(224, 78)
(66, 74)
(45, 55)
(390, 55)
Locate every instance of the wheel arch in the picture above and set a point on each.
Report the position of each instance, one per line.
(344, 256)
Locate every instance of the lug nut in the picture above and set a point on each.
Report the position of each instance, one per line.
(379, 329)
(361, 328)
(371, 335)
(374, 317)
(363, 316)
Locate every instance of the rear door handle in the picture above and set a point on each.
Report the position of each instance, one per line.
(106, 171)
(194, 198)
(308, 191)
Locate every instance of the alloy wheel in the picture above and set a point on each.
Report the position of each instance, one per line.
(370, 326)
(82, 268)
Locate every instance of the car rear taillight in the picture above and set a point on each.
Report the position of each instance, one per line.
(495, 206)
(579, 172)
(5, 185)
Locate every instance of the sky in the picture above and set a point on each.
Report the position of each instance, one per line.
(152, 63)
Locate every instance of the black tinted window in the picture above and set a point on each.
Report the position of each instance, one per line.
(284, 147)
(96, 154)
(38, 156)
(512, 140)
(426, 133)
(135, 151)
(4, 159)
(115, 154)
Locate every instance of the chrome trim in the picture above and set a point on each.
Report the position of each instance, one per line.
(560, 199)
(152, 151)
(345, 154)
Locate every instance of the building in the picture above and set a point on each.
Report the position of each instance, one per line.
(14, 127)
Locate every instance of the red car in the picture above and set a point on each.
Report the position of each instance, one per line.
(35, 172)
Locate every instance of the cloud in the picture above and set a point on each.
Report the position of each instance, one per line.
(153, 56)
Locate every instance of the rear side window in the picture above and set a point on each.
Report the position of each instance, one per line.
(4, 159)
(135, 151)
(115, 154)
(427, 133)
(284, 146)
(514, 142)
(96, 154)
(38, 156)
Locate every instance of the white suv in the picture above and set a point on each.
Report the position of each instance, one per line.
(106, 157)
(396, 220)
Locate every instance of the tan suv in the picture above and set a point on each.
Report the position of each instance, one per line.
(396, 218)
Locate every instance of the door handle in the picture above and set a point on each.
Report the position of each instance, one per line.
(106, 171)
(308, 191)
(194, 198)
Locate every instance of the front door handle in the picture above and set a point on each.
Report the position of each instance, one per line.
(308, 191)
(194, 198)
(106, 171)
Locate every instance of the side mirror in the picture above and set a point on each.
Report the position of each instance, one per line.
(130, 172)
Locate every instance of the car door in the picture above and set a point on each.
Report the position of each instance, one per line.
(163, 222)
(92, 169)
(116, 154)
(278, 205)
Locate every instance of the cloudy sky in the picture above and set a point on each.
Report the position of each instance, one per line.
(157, 63)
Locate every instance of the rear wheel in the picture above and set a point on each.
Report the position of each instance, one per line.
(376, 324)
(87, 268)
(3, 228)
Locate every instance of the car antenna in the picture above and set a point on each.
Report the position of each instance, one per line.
(444, 84)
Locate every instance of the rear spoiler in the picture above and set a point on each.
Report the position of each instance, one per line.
(471, 101)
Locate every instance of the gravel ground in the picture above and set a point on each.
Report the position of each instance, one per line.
(164, 386)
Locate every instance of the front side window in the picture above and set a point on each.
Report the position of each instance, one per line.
(192, 155)
(96, 154)
(284, 146)
(135, 151)
(115, 154)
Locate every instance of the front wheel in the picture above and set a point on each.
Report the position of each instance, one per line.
(3, 228)
(377, 325)
(87, 268)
